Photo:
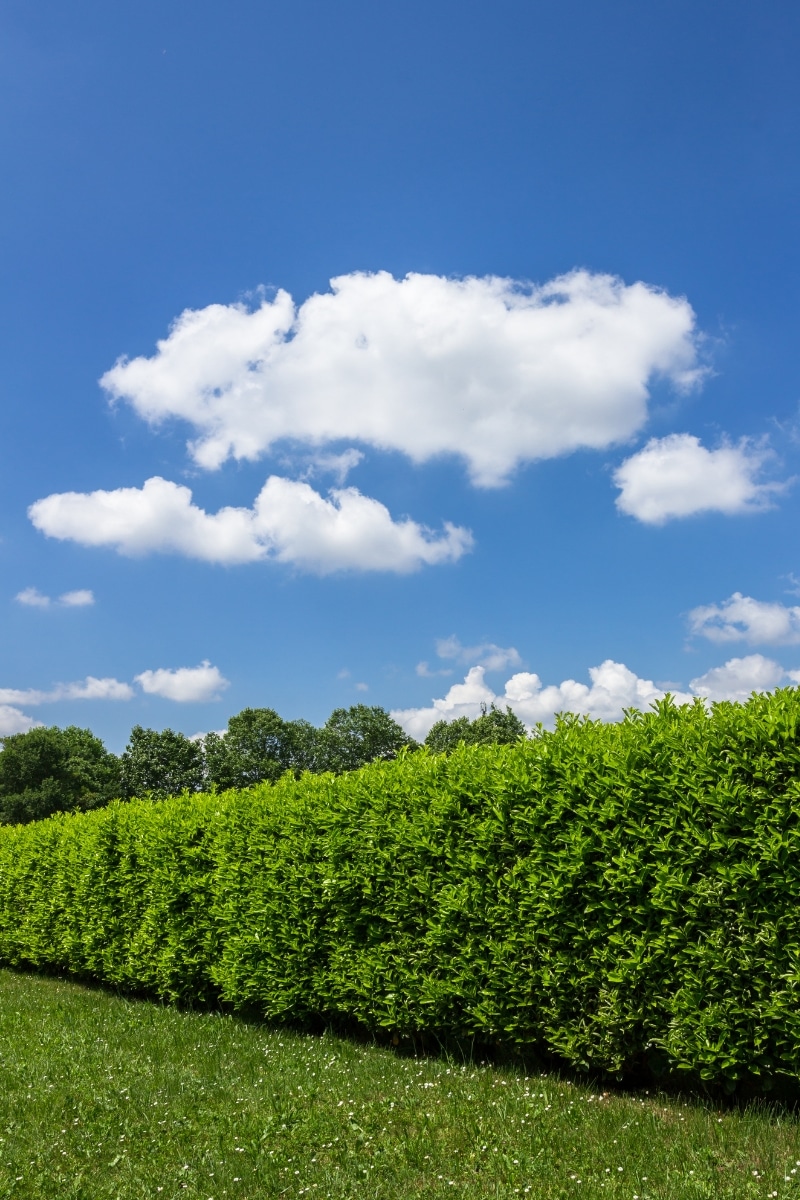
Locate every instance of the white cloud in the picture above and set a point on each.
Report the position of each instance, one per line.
(743, 619)
(362, 687)
(487, 654)
(740, 677)
(159, 516)
(338, 465)
(676, 476)
(81, 598)
(289, 522)
(96, 689)
(14, 721)
(348, 531)
(491, 370)
(89, 688)
(423, 669)
(186, 684)
(613, 688)
(33, 598)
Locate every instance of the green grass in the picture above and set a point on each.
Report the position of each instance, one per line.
(102, 1096)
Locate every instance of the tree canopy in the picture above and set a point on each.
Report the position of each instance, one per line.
(354, 736)
(161, 764)
(495, 726)
(48, 770)
(258, 745)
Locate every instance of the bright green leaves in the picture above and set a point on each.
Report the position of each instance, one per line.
(617, 895)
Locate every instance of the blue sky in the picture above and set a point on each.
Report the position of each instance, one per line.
(546, 422)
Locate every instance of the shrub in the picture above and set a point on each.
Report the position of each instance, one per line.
(622, 896)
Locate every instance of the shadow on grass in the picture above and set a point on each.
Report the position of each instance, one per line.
(777, 1096)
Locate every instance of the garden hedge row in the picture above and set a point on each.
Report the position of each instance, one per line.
(617, 895)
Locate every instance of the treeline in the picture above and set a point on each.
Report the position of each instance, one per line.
(49, 770)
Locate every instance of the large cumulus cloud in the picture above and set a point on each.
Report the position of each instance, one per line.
(487, 369)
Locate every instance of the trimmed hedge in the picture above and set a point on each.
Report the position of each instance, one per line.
(621, 896)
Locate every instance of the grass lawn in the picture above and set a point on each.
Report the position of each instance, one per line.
(102, 1096)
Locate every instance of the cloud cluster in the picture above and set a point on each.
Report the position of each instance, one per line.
(676, 476)
(613, 688)
(185, 685)
(289, 522)
(743, 619)
(33, 598)
(490, 370)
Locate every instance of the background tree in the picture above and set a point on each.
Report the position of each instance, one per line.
(258, 745)
(495, 726)
(51, 770)
(444, 736)
(161, 764)
(354, 736)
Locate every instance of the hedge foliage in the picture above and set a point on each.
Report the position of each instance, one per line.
(618, 895)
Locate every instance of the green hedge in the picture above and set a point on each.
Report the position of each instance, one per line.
(618, 895)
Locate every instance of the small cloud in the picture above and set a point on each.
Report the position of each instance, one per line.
(362, 687)
(487, 654)
(81, 598)
(33, 598)
(743, 619)
(343, 674)
(89, 688)
(676, 476)
(97, 689)
(185, 685)
(338, 465)
(424, 670)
